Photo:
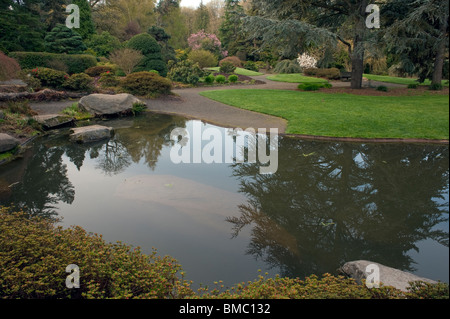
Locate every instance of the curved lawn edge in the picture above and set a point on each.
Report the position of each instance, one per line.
(324, 137)
(366, 140)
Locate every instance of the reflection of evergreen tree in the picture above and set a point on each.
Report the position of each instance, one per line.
(334, 202)
(45, 183)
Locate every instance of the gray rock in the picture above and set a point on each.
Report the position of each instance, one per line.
(51, 121)
(92, 133)
(388, 276)
(7, 142)
(104, 104)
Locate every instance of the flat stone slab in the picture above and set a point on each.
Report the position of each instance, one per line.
(50, 121)
(91, 133)
(388, 276)
(105, 104)
(7, 142)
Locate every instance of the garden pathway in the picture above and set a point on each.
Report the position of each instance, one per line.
(188, 103)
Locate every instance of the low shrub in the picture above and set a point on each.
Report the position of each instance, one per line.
(204, 58)
(185, 71)
(33, 83)
(413, 86)
(76, 63)
(9, 67)
(234, 60)
(252, 66)
(150, 63)
(221, 79)
(210, 79)
(35, 254)
(233, 78)
(227, 67)
(146, 84)
(79, 82)
(314, 86)
(108, 79)
(98, 70)
(382, 88)
(288, 67)
(138, 108)
(49, 77)
(436, 87)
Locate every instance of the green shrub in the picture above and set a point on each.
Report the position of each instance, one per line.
(288, 67)
(98, 70)
(49, 77)
(33, 83)
(233, 78)
(413, 86)
(310, 71)
(227, 67)
(108, 79)
(204, 58)
(79, 82)
(382, 88)
(233, 60)
(221, 79)
(144, 43)
(152, 64)
(76, 63)
(314, 86)
(210, 79)
(35, 254)
(436, 87)
(146, 84)
(252, 66)
(62, 39)
(185, 71)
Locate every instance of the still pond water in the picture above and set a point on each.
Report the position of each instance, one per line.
(328, 203)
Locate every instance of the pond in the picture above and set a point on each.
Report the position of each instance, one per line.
(328, 202)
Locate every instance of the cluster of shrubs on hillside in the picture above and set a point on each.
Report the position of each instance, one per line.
(35, 253)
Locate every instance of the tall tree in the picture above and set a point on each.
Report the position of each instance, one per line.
(87, 28)
(231, 24)
(418, 34)
(296, 26)
(202, 17)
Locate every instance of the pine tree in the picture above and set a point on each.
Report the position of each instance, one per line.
(230, 28)
(202, 18)
(61, 39)
(87, 28)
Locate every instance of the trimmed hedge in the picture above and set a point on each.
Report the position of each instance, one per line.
(76, 63)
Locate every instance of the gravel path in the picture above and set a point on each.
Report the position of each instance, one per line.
(188, 103)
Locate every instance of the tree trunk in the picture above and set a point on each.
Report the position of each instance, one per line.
(439, 62)
(358, 47)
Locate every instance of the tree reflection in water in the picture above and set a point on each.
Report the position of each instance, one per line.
(334, 202)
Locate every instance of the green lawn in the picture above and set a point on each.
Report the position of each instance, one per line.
(346, 115)
(397, 80)
(239, 71)
(295, 78)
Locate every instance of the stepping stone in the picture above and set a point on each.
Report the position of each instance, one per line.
(92, 133)
(104, 104)
(52, 121)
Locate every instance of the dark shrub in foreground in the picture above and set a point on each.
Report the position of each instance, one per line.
(146, 84)
(34, 254)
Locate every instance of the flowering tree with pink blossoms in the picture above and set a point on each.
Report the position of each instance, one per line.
(205, 41)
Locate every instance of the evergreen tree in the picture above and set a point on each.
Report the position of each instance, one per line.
(149, 47)
(61, 39)
(163, 38)
(87, 28)
(231, 26)
(202, 18)
(418, 35)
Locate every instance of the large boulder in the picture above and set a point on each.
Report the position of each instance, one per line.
(7, 142)
(91, 133)
(104, 104)
(388, 276)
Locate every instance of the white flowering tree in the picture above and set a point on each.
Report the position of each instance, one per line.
(306, 61)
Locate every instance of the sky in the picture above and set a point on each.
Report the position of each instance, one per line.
(192, 3)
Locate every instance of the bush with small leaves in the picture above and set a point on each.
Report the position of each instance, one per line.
(221, 79)
(233, 78)
(204, 58)
(185, 71)
(227, 67)
(98, 70)
(146, 84)
(382, 88)
(436, 87)
(210, 79)
(234, 60)
(79, 82)
(49, 77)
